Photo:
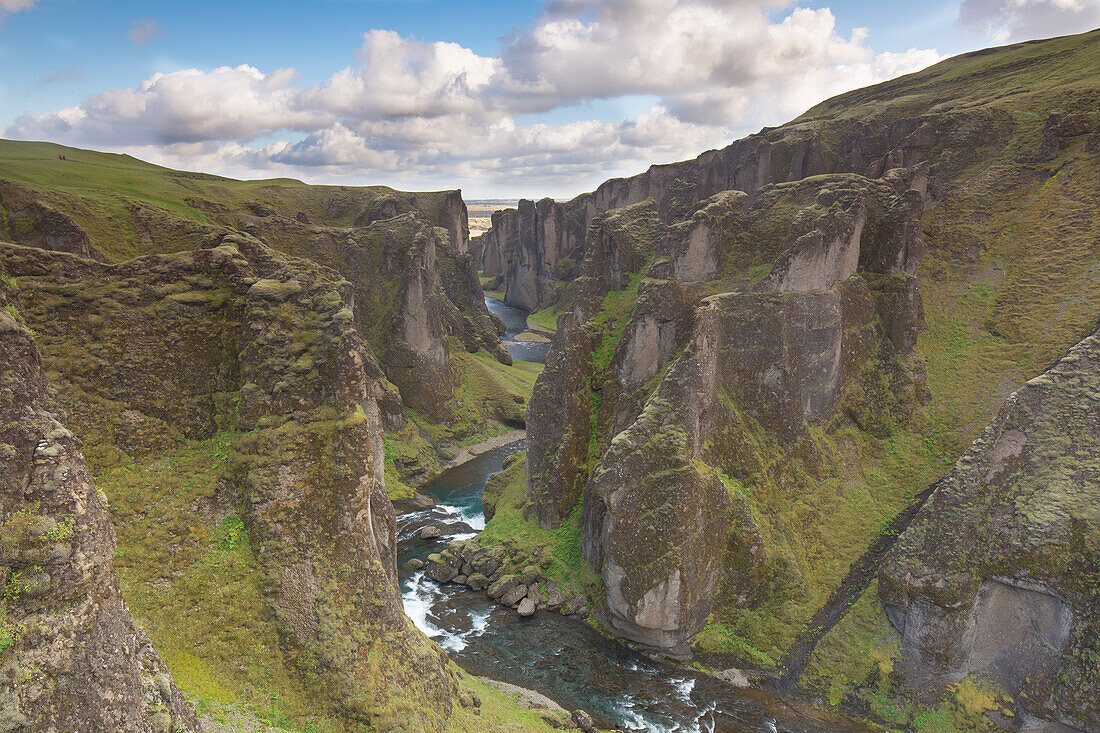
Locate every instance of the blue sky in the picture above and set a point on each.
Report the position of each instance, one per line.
(500, 98)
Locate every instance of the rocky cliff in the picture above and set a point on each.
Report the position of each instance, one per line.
(236, 339)
(419, 304)
(792, 337)
(999, 574)
(71, 657)
(761, 362)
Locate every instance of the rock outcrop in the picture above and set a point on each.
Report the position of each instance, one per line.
(999, 573)
(71, 657)
(667, 391)
(236, 336)
(24, 220)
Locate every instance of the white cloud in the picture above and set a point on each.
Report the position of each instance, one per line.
(1019, 20)
(409, 111)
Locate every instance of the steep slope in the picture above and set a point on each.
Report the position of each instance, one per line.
(999, 575)
(419, 302)
(72, 657)
(777, 370)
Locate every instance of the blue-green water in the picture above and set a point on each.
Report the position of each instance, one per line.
(565, 659)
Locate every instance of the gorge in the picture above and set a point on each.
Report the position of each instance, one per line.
(811, 434)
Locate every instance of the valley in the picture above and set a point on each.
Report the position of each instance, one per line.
(799, 435)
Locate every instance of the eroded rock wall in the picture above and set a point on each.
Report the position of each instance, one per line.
(696, 379)
(999, 572)
(71, 657)
(238, 337)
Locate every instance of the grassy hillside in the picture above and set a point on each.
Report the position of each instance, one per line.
(107, 193)
(1005, 144)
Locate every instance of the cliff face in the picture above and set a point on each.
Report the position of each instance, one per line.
(998, 576)
(70, 654)
(236, 339)
(764, 361)
(775, 372)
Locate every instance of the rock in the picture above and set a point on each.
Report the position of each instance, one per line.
(988, 578)
(469, 699)
(526, 607)
(555, 598)
(583, 721)
(460, 579)
(514, 596)
(414, 564)
(477, 581)
(438, 570)
(529, 575)
(430, 532)
(466, 569)
(734, 677)
(536, 595)
(87, 665)
(503, 585)
(487, 560)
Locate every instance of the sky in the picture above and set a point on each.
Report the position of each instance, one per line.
(502, 99)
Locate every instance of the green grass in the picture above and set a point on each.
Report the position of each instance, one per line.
(545, 319)
(509, 528)
(101, 190)
(189, 577)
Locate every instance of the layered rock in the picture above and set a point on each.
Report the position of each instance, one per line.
(532, 247)
(558, 451)
(237, 336)
(24, 220)
(71, 657)
(998, 575)
(694, 380)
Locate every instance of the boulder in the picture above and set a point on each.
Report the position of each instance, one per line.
(477, 581)
(414, 564)
(487, 560)
(503, 585)
(514, 596)
(555, 598)
(430, 532)
(438, 570)
(583, 721)
(527, 607)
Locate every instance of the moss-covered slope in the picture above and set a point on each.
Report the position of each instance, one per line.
(978, 269)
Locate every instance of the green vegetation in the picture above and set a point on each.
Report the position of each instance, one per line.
(190, 578)
(129, 207)
(523, 536)
(545, 319)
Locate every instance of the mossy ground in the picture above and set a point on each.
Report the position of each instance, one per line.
(523, 536)
(190, 578)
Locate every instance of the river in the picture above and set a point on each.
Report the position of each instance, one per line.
(562, 658)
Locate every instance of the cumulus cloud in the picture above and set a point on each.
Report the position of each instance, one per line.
(144, 30)
(1019, 20)
(408, 110)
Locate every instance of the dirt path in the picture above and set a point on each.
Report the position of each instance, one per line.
(848, 592)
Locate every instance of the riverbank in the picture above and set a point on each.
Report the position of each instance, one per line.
(471, 452)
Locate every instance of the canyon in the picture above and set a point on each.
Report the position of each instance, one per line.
(818, 414)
